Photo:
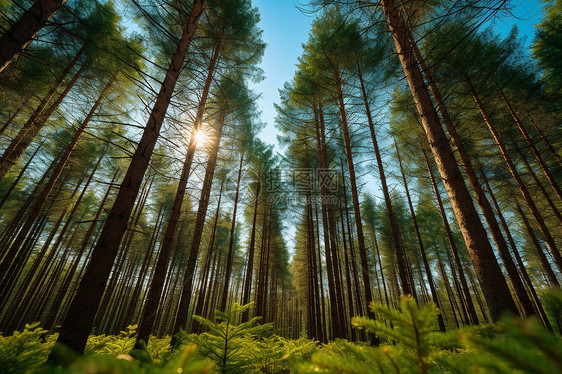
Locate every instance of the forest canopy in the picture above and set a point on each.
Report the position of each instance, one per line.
(408, 219)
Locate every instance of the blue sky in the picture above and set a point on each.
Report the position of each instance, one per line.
(286, 28)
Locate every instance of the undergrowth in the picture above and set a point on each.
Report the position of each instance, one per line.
(410, 343)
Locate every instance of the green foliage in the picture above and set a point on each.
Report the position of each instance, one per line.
(24, 350)
(412, 344)
(512, 346)
(546, 46)
(226, 343)
(185, 361)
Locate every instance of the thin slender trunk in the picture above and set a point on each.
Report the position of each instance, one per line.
(30, 130)
(538, 183)
(522, 268)
(6, 161)
(517, 177)
(80, 317)
(20, 175)
(203, 291)
(469, 303)
(185, 300)
(251, 249)
(231, 240)
(427, 268)
(356, 207)
(534, 149)
(42, 198)
(542, 257)
(64, 289)
(476, 186)
(394, 229)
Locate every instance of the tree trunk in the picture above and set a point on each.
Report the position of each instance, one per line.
(481, 198)
(469, 303)
(20, 175)
(534, 149)
(394, 229)
(355, 198)
(513, 170)
(30, 130)
(22, 32)
(542, 257)
(64, 289)
(231, 240)
(538, 183)
(488, 272)
(522, 269)
(185, 300)
(251, 249)
(78, 322)
(203, 297)
(427, 268)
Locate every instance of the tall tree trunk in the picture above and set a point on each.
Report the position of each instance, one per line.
(488, 272)
(551, 203)
(42, 198)
(185, 300)
(427, 268)
(515, 174)
(394, 229)
(335, 292)
(30, 130)
(468, 299)
(78, 322)
(22, 32)
(204, 297)
(65, 287)
(355, 198)
(20, 175)
(6, 161)
(230, 255)
(534, 149)
(251, 249)
(522, 269)
(542, 257)
(476, 186)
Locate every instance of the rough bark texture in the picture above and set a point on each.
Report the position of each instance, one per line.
(476, 186)
(78, 322)
(24, 30)
(488, 271)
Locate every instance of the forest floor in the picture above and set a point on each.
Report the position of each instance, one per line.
(409, 343)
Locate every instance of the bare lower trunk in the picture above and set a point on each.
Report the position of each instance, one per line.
(185, 300)
(78, 322)
(517, 177)
(488, 271)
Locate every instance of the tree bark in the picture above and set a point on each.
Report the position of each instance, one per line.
(185, 300)
(78, 322)
(476, 186)
(25, 28)
(534, 149)
(517, 177)
(427, 268)
(30, 130)
(355, 198)
(488, 272)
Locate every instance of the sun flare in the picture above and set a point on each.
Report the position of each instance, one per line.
(200, 137)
